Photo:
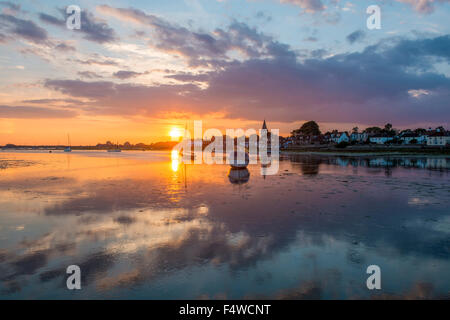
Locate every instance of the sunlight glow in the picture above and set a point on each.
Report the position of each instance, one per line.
(175, 133)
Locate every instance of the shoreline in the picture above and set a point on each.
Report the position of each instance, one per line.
(365, 153)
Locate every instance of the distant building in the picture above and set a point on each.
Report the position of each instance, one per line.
(359, 137)
(380, 139)
(264, 127)
(408, 137)
(340, 137)
(438, 139)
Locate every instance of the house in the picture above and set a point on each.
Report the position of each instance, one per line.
(340, 137)
(380, 139)
(438, 139)
(408, 137)
(359, 137)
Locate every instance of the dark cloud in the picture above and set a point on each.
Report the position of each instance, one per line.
(371, 86)
(51, 19)
(29, 263)
(64, 47)
(24, 28)
(23, 112)
(356, 36)
(92, 28)
(82, 89)
(188, 77)
(89, 75)
(124, 74)
(98, 61)
(95, 30)
(51, 101)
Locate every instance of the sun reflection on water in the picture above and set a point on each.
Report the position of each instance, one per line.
(175, 160)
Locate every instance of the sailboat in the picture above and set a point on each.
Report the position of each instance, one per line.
(187, 154)
(69, 148)
(117, 149)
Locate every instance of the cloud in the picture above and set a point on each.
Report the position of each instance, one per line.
(97, 61)
(124, 74)
(95, 30)
(12, 7)
(51, 19)
(263, 16)
(92, 28)
(188, 77)
(314, 6)
(51, 101)
(26, 29)
(64, 47)
(24, 112)
(371, 86)
(89, 74)
(202, 48)
(423, 6)
(356, 36)
(311, 39)
(310, 6)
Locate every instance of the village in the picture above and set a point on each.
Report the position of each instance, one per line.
(309, 134)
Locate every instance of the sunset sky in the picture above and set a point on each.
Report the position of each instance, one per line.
(137, 70)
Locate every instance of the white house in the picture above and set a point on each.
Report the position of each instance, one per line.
(438, 140)
(340, 137)
(380, 139)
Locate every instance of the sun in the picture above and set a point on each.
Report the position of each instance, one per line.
(175, 133)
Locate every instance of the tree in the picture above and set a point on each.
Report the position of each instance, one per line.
(355, 130)
(373, 130)
(388, 127)
(420, 131)
(310, 128)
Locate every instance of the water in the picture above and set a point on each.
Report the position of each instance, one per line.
(141, 225)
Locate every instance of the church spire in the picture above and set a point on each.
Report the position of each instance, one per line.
(264, 127)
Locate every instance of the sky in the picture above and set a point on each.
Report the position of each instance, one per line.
(137, 70)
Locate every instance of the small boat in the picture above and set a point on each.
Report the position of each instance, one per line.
(236, 164)
(117, 149)
(68, 149)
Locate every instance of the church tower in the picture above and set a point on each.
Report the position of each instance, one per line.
(264, 127)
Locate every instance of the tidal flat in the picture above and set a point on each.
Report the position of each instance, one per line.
(142, 225)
